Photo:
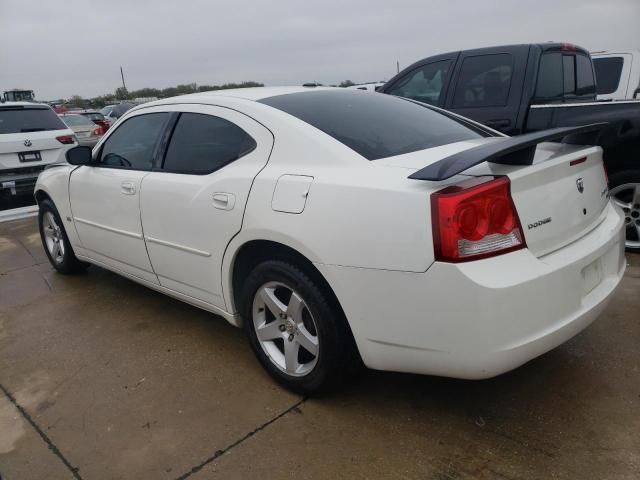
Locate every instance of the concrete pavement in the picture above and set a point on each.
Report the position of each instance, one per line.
(104, 379)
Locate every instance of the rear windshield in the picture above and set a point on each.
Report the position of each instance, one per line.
(19, 120)
(608, 72)
(375, 125)
(76, 120)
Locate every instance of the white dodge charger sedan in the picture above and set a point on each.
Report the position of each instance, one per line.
(340, 226)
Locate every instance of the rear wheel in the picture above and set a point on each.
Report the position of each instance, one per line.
(625, 192)
(296, 331)
(55, 241)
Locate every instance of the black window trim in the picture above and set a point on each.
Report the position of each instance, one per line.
(168, 136)
(156, 150)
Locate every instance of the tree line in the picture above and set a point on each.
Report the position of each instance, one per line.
(122, 95)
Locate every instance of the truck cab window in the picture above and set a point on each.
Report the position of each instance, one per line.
(423, 84)
(484, 81)
(550, 85)
(569, 74)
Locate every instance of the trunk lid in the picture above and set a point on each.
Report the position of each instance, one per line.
(559, 198)
(51, 150)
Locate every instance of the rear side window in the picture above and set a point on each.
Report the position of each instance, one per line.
(22, 120)
(201, 144)
(133, 144)
(608, 72)
(484, 81)
(372, 124)
(423, 84)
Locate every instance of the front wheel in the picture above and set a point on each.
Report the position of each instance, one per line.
(296, 330)
(625, 192)
(55, 241)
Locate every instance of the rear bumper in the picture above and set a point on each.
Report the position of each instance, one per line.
(480, 319)
(18, 183)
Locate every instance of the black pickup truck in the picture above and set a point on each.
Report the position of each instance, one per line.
(526, 88)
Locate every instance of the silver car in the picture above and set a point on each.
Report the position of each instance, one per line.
(87, 132)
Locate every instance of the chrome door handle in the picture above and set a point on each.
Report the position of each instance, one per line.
(128, 188)
(224, 201)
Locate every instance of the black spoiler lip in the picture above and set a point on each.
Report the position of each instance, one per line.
(518, 150)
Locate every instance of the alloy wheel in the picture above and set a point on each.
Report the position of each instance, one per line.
(53, 237)
(627, 197)
(285, 329)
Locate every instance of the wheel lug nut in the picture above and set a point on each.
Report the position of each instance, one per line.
(291, 337)
(283, 316)
(282, 328)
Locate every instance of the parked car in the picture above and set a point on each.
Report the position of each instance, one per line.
(95, 116)
(86, 132)
(278, 208)
(527, 88)
(112, 113)
(31, 137)
(617, 74)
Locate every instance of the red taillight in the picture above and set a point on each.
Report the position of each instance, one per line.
(98, 131)
(66, 139)
(475, 219)
(568, 47)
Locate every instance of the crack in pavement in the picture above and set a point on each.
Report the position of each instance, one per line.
(219, 453)
(56, 451)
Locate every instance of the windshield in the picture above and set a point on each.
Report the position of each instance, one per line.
(106, 110)
(19, 120)
(76, 120)
(374, 125)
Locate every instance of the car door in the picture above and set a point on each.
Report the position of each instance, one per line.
(105, 197)
(487, 87)
(193, 205)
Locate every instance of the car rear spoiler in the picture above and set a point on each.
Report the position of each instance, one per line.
(518, 150)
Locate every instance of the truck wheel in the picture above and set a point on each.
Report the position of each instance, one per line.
(624, 189)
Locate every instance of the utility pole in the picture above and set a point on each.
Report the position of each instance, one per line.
(397, 68)
(123, 84)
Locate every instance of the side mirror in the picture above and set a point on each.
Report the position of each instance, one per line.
(80, 155)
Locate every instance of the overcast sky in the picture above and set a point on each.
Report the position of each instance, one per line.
(61, 48)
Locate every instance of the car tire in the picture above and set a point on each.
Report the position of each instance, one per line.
(624, 189)
(55, 240)
(286, 311)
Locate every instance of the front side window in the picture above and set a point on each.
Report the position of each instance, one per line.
(201, 144)
(608, 72)
(133, 144)
(484, 81)
(423, 84)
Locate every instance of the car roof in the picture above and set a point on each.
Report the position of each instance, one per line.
(24, 104)
(252, 93)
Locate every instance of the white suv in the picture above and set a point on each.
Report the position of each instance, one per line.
(31, 136)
